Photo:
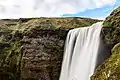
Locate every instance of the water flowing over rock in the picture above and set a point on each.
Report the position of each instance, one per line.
(32, 48)
(81, 52)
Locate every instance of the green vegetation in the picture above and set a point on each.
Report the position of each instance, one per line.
(110, 69)
(10, 59)
(11, 34)
(54, 23)
(111, 35)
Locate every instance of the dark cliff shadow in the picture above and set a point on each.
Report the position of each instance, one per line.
(104, 52)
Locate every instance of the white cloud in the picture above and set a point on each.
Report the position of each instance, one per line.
(47, 8)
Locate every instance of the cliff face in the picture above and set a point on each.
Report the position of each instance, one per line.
(32, 49)
(110, 69)
(111, 33)
(42, 54)
(35, 55)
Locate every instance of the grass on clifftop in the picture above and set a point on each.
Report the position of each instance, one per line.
(54, 23)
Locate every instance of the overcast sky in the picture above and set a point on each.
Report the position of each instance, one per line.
(55, 8)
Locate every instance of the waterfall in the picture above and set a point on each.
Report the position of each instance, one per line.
(81, 52)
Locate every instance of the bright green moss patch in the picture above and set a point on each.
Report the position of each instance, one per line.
(11, 57)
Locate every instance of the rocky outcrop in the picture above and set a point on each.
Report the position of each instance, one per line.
(34, 55)
(110, 69)
(42, 54)
(111, 31)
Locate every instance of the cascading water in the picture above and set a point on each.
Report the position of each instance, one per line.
(81, 51)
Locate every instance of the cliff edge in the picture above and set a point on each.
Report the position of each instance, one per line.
(110, 69)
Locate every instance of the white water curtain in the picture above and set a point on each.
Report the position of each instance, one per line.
(80, 54)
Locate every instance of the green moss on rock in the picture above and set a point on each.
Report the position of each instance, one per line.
(116, 49)
(10, 60)
(110, 69)
(111, 31)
